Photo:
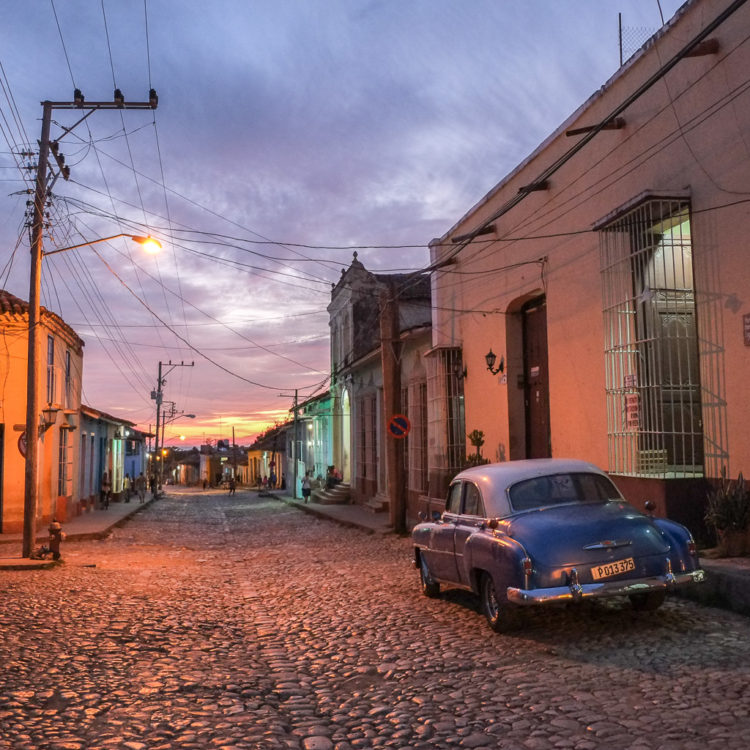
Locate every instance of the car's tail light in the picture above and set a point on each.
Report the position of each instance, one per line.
(692, 550)
(528, 568)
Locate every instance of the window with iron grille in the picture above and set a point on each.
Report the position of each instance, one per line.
(68, 380)
(50, 369)
(367, 443)
(651, 346)
(64, 464)
(418, 437)
(447, 450)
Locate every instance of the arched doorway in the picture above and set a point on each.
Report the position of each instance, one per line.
(346, 435)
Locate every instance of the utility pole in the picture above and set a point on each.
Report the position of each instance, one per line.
(234, 454)
(390, 354)
(157, 395)
(41, 192)
(294, 449)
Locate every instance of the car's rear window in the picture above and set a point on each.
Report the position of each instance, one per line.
(556, 489)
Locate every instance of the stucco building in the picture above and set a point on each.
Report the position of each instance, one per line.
(61, 364)
(608, 274)
(359, 432)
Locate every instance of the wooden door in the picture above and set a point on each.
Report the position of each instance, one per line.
(536, 379)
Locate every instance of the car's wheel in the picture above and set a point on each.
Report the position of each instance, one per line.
(430, 587)
(499, 614)
(648, 602)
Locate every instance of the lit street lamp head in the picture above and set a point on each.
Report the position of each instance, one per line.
(150, 245)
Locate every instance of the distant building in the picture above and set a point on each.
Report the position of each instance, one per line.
(108, 445)
(267, 456)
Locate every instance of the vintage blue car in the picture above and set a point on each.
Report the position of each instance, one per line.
(549, 531)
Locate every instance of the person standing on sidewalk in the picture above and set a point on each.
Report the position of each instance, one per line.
(306, 487)
(106, 490)
(140, 487)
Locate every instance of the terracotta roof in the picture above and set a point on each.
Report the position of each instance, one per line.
(90, 411)
(12, 305)
(9, 303)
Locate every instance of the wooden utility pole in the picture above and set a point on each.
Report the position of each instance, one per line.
(41, 193)
(294, 449)
(31, 473)
(390, 353)
(234, 455)
(158, 395)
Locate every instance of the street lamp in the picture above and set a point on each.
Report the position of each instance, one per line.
(149, 244)
(31, 489)
(173, 417)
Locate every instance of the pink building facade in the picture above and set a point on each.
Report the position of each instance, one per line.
(608, 273)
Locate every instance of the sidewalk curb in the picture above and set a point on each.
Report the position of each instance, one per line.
(727, 586)
(327, 516)
(21, 563)
(84, 536)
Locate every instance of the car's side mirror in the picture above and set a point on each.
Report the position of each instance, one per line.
(422, 516)
(436, 515)
(492, 523)
(650, 507)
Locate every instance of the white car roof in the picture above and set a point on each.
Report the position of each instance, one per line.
(494, 479)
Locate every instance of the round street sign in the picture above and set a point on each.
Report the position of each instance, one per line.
(399, 426)
(22, 443)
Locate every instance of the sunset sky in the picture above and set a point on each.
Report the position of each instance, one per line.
(288, 134)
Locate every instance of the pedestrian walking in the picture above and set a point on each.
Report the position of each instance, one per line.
(306, 487)
(127, 487)
(152, 485)
(140, 487)
(232, 486)
(106, 490)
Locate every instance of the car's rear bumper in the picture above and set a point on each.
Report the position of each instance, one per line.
(575, 591)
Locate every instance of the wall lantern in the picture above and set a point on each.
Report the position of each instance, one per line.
(49, 415)
(490, 358)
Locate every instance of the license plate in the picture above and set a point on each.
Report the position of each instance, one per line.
(612, 569)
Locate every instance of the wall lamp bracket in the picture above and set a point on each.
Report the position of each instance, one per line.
(490, 358)
(49, 417)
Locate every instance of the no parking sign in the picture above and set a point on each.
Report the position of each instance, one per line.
(399, 426)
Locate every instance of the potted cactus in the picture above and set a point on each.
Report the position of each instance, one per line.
(476, 438)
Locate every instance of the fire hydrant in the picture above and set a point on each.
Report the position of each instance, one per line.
(56, 536)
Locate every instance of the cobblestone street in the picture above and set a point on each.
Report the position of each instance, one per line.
(210, 621)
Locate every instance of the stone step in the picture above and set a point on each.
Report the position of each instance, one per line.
(377, 504)
(338, 495)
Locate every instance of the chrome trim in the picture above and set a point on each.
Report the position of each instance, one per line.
(607, 544)
(575, 591)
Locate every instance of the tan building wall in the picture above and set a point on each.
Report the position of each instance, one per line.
(60, 387)
(686, 136)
